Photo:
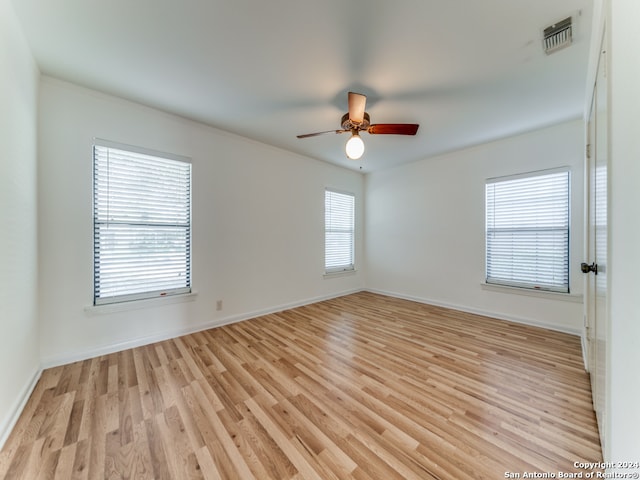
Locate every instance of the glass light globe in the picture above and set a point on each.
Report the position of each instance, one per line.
(354, 147)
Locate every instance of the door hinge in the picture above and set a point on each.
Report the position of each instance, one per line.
(588, 150)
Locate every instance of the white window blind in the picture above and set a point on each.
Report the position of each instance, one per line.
(142, 224)
(339, 209)
(527, 230)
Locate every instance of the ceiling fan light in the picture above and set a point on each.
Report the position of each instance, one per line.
(354, 147)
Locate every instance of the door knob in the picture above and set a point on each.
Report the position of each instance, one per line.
(586, 268)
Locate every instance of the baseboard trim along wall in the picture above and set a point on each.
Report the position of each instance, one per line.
(57, 360)
(476, 311)
(9, 423)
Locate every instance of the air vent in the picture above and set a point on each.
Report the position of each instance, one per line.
(557, 36)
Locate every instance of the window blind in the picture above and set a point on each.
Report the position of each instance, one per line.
(142, 225)
(527, 231)
(339, 231)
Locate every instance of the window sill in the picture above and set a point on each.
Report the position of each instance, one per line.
(563, 297)
(342, 273)
(139, 304)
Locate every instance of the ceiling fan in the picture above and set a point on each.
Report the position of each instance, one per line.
(357, 120)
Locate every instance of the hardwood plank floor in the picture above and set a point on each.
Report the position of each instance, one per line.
(359, 387)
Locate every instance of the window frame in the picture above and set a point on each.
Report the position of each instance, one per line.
(345, 267)
(563, 287)
(98, 221)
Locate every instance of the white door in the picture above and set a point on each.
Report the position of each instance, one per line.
(597, 234)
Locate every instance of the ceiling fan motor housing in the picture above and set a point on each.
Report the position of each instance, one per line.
(347, 124)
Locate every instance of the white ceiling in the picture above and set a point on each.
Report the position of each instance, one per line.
(467, 71)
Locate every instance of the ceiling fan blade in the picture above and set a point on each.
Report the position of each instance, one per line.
(307, 135)
(357, 103)
(393, 129)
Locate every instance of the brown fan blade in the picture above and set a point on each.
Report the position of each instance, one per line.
(307, 135)
(357, 103)
(393, 129)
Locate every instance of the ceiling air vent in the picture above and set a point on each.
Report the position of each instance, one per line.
(557, 36)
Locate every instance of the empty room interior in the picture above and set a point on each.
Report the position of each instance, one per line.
(319, 240)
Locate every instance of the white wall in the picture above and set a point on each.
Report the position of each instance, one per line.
(624, 233)
(19, 357)
(258, 224)
(425, 226)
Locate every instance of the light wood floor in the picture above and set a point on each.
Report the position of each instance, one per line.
(363, 387)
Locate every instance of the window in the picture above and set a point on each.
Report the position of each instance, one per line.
(339, 214)
(141, 223)
(527, 229)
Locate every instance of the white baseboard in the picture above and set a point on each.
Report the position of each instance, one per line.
(57, 360)
(476, 311)
(6, 427)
